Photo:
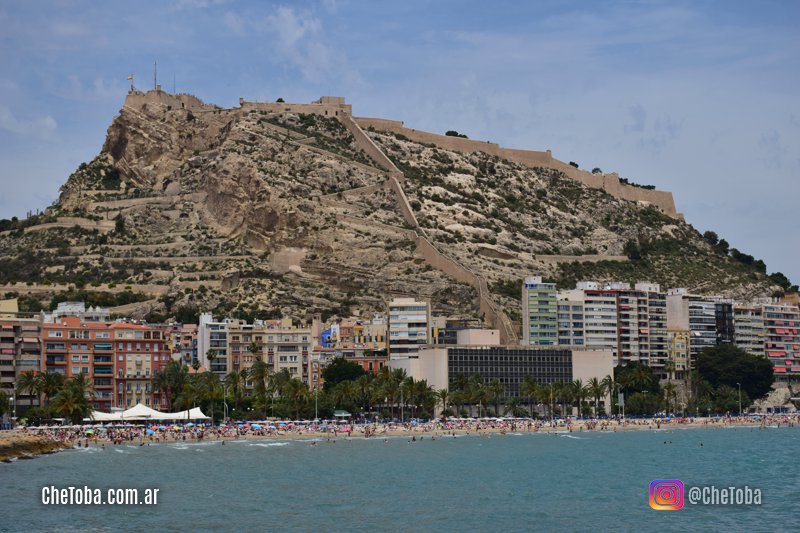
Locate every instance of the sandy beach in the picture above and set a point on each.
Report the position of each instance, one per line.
(28, 442)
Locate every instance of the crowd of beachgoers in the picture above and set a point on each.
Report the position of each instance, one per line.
(146, 434)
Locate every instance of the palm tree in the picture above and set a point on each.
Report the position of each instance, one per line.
(610, 387)
(364, 391)
(579, 394)
(515, 408)
(563, 392)
(259, 375)
(172, 379)
(497, 390)
(191, 394)
(210, 388)
(596, 389)
(210, 356)
(298, 394)
(235, 382)
(52, 383)
(642, 377)
(30, 382)
(530, 389)
(444, 396)
(72, 400)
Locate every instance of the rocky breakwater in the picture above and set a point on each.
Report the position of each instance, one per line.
(18, 446)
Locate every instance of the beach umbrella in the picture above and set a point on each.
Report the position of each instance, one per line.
(190, 424)
(153, 427)
(240, 425)
(247, 425)
(256, 426)
(162, 427)
(272, 427)
(150, 432)
(89, 431)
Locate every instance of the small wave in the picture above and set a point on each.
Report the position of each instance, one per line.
(179, 447)
(119, 451)
(571, 437)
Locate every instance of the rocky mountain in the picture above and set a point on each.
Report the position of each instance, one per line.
(292, 209)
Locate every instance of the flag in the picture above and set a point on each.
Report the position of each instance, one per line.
(130, 77)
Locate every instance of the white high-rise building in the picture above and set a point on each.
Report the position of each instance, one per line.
(409, 327)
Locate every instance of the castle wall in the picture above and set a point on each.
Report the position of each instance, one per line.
(609, 182)
(324, 108)
(363, 141)
(137, 99)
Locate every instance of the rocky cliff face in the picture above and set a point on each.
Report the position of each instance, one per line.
(266, 212)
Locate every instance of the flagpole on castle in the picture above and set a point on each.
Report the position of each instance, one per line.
(131, 80)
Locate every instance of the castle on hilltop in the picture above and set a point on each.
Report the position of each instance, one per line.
(335, 106)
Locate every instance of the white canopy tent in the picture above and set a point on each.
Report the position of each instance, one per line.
(142, 412)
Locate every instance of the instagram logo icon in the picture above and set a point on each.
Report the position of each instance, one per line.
(666, 494)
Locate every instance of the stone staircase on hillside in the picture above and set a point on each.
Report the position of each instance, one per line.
(432, 255)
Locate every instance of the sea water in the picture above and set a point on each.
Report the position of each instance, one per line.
(580, 481)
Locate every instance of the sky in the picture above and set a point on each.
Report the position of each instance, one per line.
(695, 97)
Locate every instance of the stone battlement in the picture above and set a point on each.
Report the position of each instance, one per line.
(331, 106)
(138, 99)
(531, 158)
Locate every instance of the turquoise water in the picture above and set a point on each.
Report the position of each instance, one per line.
(525, 482)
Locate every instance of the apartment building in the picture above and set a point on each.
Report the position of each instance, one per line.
(140, 351)
(409, 326)
(782, 341)
(212, 344)
(73, 347)
(749, 333)
(678, 363)
(696, 314)
(20, 351)
(288, 347)
(539, 312)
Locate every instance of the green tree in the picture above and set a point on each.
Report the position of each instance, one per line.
(728, 365)
(171, 378)
(340, 370)
(596, 389)
(711, 238)
(260, 376)
(5, 403)
(497, 390)
(73, 400)
(643, 403)
(30, 384)
(52, 383)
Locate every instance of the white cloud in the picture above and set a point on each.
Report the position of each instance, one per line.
(299, 40)
(42, 128)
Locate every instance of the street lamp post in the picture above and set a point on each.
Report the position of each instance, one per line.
(740, 398)
(315, 403)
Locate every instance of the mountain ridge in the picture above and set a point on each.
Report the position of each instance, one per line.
(277, 208)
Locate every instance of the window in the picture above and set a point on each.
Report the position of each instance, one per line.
(55, 334)
(76, 358)
(102, 335)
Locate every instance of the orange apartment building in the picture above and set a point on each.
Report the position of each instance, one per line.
(119, 359)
